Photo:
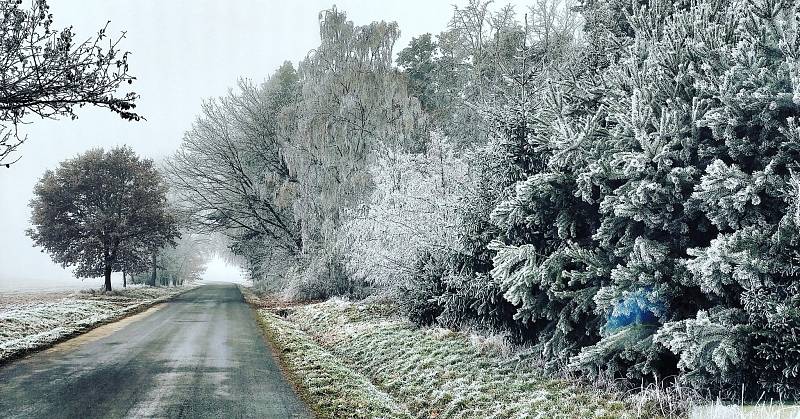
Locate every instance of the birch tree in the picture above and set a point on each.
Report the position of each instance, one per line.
(352, 100)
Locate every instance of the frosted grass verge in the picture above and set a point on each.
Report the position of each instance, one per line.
(438, 373)
(723, 411)
(331, 389)
(29, 326)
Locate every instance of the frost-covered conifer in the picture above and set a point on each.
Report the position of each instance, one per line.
(659, 230)
(544, 262)
(700, 219)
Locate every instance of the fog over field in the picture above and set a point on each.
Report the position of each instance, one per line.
(182, 52)
(217, 270)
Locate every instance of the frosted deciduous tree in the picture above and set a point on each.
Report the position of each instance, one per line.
(352, 102)
(412, 209)
(98, 206)
(231, 174)
(456, 74)
(471, 69)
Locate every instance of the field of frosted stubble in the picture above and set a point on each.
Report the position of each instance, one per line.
(31, 321)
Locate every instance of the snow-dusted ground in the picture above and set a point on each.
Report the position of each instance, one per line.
(363, 361)
(30, 321)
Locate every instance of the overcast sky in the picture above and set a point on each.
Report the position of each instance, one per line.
(182, 52)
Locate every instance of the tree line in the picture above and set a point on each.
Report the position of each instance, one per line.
(109, 211)
(611, 183)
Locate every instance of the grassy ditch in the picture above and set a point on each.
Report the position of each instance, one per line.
(331, 389)
(355, 360)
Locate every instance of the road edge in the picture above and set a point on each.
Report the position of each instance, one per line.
(251, 301)
(345, 392)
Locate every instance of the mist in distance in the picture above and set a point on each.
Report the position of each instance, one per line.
(182, 52)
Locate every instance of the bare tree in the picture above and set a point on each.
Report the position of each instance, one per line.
(45, 72)
(230, 175)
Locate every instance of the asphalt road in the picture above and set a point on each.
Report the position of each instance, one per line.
(201, 355)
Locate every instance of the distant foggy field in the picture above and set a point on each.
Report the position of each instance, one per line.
(26, 285)
(216, 270)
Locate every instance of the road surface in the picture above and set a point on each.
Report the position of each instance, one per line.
(200, 355)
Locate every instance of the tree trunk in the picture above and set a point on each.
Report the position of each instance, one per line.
(108, 277)
(153, 272)
(124, 280)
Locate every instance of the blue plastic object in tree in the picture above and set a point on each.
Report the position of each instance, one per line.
(635, 309)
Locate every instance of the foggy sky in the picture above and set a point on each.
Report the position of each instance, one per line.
(183, 51)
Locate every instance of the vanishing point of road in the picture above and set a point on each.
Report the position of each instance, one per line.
(199, 355)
